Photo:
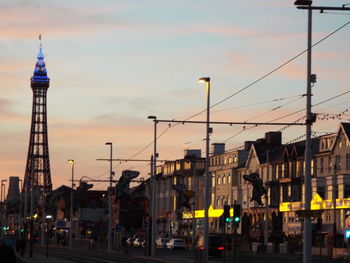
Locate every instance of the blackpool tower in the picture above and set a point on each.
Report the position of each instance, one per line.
(37, 173)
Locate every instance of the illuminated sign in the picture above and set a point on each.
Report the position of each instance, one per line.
(200, 213)
(317, 203)
(347, 233)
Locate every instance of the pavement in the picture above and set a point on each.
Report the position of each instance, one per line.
(136, 255)
(39, 258)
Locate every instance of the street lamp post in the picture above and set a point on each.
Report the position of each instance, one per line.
(20, 210)
(48, 217)
(206, 80)
(154, 189)
(71, 206)
(2, 194)
(110, 199)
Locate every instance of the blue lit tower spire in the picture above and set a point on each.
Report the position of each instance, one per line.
(38, 161)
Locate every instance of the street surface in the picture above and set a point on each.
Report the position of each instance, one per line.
(136, 255)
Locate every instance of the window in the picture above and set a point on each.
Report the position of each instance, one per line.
(329, 163)
(312, 167)
(337, 163)
(321, 165)
(224, 179)
(230, 159)
(178, 166)
(296, 192)
(189, 183)
(218, 180)
(346, 190)
(187, 165)
(225, 160)
(298, 169)
(213, 181)
(348, 161)
(228, 178)
(282, 171)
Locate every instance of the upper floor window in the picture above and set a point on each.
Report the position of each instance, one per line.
(228, 178)
(189, 183)
(348, 161)
(223, 179)
(178, 166)
(213, 181)
(218, 180)
(321, 165)
(187, 165)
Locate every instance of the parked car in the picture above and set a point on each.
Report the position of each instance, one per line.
(162, 242)
(176, 244)
(216, 245)
(138, 242)
(130, 241)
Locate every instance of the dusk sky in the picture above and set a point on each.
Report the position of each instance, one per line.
(113, 63)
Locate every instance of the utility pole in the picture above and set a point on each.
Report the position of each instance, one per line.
(334, 197)
(31, 211)
(154, 189)
(71, 205)
(110, 198)
(151, 223)
(194, 220)
(310, 118)
(43, 216)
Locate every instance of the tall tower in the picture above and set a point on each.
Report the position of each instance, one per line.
(38, 161)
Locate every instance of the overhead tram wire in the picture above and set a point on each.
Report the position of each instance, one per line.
(290, 114)
(255, 104)
(275, 108)
(247, 86)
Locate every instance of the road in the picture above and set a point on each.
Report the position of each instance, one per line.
(135, 255)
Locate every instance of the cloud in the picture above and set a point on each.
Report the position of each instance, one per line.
(6, 113)
(20, 20)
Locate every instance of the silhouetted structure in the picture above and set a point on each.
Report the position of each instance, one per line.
(38, 161)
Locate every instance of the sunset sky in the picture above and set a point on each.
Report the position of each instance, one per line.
(113, 63)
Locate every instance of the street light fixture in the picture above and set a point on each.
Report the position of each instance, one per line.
(71, 161)
(154, 191)
(206, 80)
(2, 186)
(110, 198)
(303, 2)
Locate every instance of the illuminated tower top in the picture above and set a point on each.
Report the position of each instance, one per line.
(40, 74)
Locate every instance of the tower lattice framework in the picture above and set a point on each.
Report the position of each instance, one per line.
(38, 161)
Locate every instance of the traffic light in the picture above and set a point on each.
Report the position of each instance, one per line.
(236, 213)
(227, 213)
